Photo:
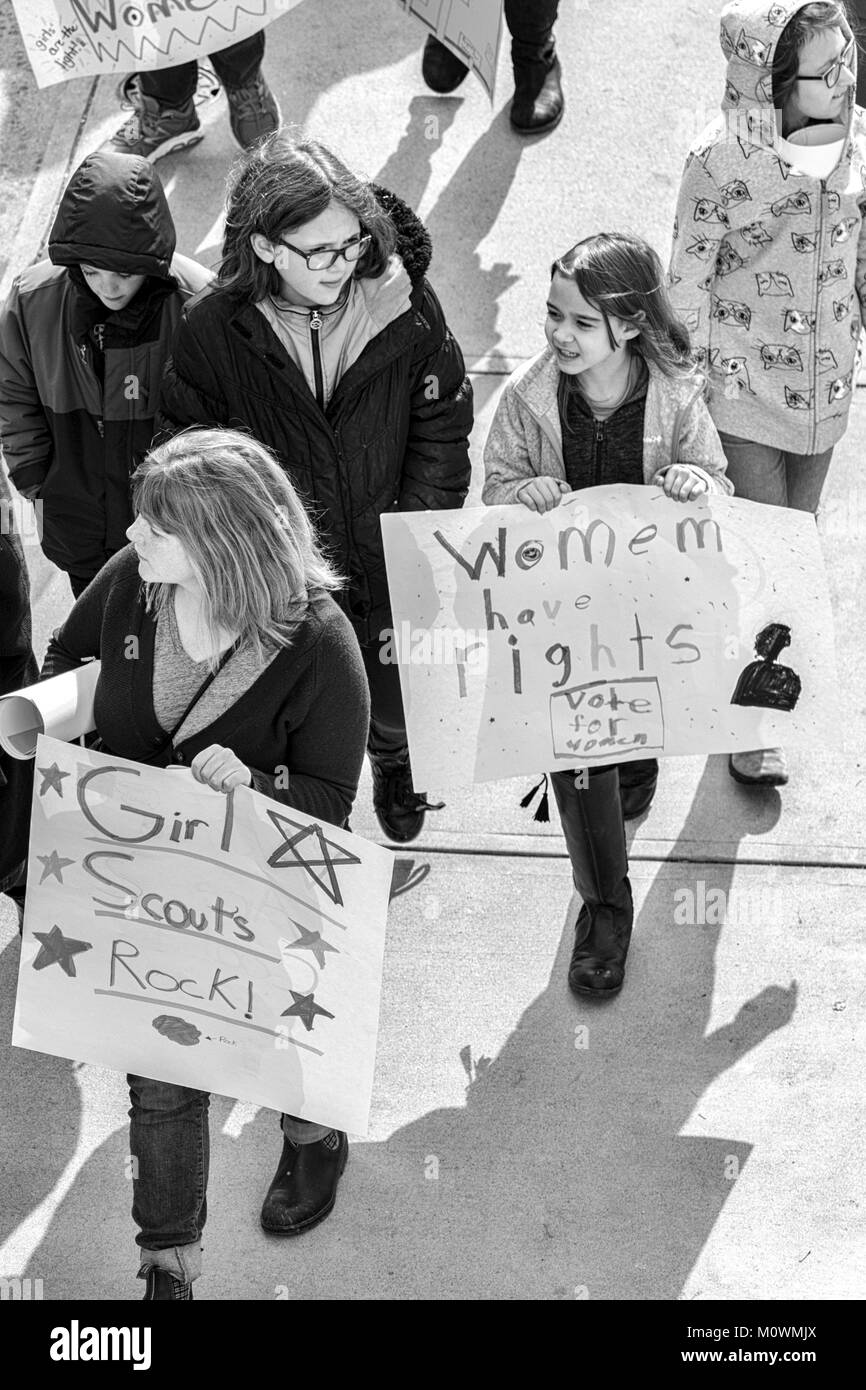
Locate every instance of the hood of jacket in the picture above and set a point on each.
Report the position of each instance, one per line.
(414, 246)
(749, 34)
(114, 215)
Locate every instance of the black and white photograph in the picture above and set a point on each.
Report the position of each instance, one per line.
(432, 749)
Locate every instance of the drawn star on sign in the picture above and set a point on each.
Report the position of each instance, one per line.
(311, 941)
(325, 846)
(306, 1008)
(53, 863)
(59, 949)
(52, 777)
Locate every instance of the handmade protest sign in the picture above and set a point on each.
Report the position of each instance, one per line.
(78, 38)
(224, 942)
(620, 625)
(470, 28)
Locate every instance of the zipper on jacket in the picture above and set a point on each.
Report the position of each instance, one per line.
(315, 341)
(599, 441)
(817, 309)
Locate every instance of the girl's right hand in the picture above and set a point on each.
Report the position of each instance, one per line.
(542, 494)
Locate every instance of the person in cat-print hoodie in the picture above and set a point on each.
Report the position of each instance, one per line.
(769, 257)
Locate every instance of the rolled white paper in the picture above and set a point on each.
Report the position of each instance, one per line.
(61, 707)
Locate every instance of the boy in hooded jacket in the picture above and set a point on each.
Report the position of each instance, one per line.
(84, 337)
(769, 257)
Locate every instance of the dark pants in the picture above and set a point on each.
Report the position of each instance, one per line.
(237, 66)
(387, 721)
(78, 583)
(530, 23)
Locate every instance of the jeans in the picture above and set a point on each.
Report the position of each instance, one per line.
(530, 23)
(169, 1140)
(236, 66)
(763, 473)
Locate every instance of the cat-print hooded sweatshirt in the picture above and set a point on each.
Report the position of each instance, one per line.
(768, 264)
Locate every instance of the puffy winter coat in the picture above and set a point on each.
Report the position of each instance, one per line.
(394, 435)
(768, 261)
(64, 432)
(525, 436)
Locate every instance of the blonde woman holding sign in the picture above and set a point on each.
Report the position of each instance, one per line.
(247, 673)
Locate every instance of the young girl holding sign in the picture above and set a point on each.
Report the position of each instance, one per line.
(767, 267)
(248, 674)
(613, 398)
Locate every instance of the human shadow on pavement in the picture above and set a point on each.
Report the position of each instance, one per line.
(565, 1174)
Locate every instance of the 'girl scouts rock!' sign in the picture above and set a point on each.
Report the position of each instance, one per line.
(229, 943)
(620, 625)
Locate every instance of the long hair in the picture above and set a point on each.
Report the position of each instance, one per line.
(621, 276)
(809, 20)
(249, 540)
(276, 187)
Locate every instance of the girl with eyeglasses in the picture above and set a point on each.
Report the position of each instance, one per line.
(324, 339)
(768, 255)
(613, 398)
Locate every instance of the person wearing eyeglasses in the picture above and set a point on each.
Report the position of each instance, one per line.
(325, 340)
(769, 253)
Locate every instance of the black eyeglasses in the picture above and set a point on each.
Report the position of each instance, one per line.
(323, 260)
(834, 72)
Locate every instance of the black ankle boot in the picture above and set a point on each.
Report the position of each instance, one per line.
(538, 102)
(441, 69)
(304, 1188)
(593, 827)
(637, 786)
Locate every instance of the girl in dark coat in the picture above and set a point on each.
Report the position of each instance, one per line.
(324, 339)
(84, 337)
(233, 583)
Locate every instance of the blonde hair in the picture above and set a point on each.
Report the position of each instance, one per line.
(249, 540)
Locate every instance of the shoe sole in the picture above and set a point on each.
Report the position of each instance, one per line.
(312, 1221)
(177, 142)
(538, 129)
(585, 992)
(772, 779)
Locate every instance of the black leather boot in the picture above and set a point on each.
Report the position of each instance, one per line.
(595, 835)
(304, 1188)
(538, 102)
(441, 69)
(164, 1287)
(637, 786)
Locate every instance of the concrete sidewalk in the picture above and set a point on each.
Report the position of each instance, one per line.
(696, 1137)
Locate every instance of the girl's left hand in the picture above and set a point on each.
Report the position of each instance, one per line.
(681, 482)
(219, 768)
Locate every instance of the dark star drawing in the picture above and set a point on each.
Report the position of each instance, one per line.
(311, 941)
(58, 948)
(52, 777)
(306, 1008)
(298, 861)
(53, 863)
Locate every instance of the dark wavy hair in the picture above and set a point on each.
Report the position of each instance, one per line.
(809, 20)
(276, 187)
(621, 276)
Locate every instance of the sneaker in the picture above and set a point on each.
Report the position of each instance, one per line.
(765, 767)
(441, 69)
(253, 112)
(163, 1286)
(399, 809)
(153, 131)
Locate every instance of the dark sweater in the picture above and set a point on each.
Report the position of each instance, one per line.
(601, 452)
(307, 712)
